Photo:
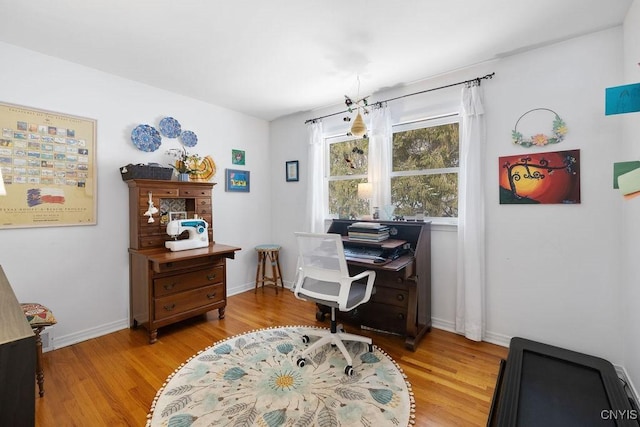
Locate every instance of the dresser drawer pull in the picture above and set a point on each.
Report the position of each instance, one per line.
(169, 307)
(400, 316)
(211, 295)
(169, 264)
(211, 276)
(400, 297)
(399, 280)
(168, 286)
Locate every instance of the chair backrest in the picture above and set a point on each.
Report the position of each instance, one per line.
(323, 273)
(322, 256)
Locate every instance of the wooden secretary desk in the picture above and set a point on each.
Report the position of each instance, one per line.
(165, 286)
(402, 300)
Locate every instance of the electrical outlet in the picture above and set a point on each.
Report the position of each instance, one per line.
(47, 338)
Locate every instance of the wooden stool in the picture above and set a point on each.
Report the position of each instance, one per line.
(39, 317)
(270, 252)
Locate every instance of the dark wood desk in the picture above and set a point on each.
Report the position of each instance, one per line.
(17, 361)
(402, 301)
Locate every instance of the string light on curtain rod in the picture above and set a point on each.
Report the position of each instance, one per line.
(358, 128)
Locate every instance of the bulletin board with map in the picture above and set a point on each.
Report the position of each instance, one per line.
(48, 163)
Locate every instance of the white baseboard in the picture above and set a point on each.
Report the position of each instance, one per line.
(87, 334)
(490, 337)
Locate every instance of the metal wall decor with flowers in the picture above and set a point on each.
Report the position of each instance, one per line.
(558, 132)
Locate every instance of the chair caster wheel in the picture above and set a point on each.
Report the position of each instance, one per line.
(370, 348)
(301, 362)
(305, 339)
(348, 370)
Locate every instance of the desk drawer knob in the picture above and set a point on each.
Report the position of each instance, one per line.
(400, 297)
(399, 280)
(169, 307)
(169, 286)
(211, 276)
(400, 316)
(212, 295)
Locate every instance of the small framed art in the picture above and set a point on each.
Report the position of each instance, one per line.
(237, 157)
(291, 170)
(237, 180)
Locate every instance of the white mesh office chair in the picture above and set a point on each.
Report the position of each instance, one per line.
(323, 277)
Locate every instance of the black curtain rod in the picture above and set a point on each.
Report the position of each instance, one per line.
(476, 80)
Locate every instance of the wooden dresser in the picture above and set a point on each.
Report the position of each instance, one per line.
(165, 286)
(402, 301)
(17, 361)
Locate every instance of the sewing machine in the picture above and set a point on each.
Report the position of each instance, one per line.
(198, 235)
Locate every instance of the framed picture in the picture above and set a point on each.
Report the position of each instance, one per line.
(173, 216)
(540, 178)
(237, 180)
(237, 157)
(291, 169)
(48, 164)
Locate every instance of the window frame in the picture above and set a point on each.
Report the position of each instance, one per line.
(334, 139)
(421, 123)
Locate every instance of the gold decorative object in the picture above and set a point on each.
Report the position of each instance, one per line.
(203, 169)
(358, 129)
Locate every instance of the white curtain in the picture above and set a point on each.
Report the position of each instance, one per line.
(470, 296)
(380, 135)
(314, 218)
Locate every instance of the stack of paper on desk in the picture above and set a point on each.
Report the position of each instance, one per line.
(368, 231)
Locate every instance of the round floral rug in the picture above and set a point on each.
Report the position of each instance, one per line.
(252, 379)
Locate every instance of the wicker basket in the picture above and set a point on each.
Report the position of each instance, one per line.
(145, 172)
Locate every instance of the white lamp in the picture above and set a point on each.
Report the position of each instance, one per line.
(3, 191)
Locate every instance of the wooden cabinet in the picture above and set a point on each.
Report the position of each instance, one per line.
(165, 286)
(402, 300)
(17, 361)
(194, 198)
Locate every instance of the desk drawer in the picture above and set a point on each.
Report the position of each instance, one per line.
(384, 317)
(391, 296)
(394, 277)
(182, 282)
(175, 304)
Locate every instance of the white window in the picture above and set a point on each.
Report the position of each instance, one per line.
(424, 171)
(425, 165)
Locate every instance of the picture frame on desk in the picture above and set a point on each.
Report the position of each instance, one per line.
(174, 216)
(237, 180)
(292, 170)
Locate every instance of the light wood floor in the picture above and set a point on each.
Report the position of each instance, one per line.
(112, 380)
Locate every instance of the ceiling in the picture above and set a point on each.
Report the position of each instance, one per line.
(273, 58)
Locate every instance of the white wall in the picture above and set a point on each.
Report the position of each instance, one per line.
(553, 271)
(82, 272)
(631, 255)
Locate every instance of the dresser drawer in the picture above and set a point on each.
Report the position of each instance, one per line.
(390, 296)
(203, 206)
(165, 267)
(174, 304)
(182, 282)
(195, 192)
